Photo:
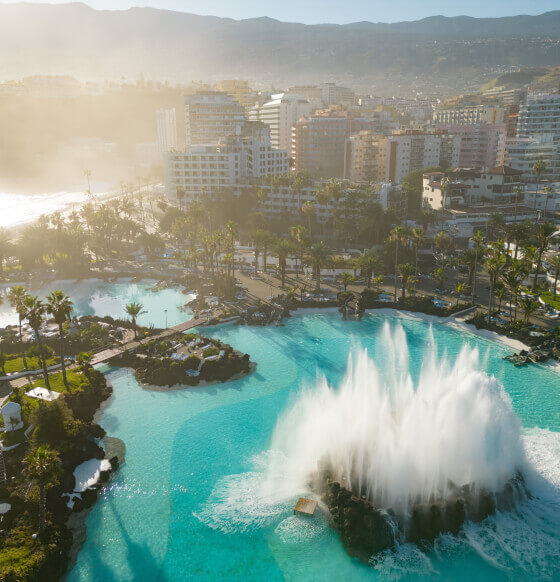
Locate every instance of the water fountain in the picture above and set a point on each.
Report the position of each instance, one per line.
(398, 460)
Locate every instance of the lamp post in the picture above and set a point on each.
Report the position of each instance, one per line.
(165, 311)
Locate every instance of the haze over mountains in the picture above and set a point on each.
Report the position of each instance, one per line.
(437, 52)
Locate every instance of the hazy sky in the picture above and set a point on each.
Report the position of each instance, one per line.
(339, 11)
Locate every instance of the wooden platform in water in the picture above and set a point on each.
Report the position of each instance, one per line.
(305, 507)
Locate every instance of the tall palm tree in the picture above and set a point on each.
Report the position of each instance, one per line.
(478, 245)
(529, 306)
(16, 297)
(60, 307)
(300, 235)
(35, 311)
(308, 209)
(547, 193)
(539, 168)
(367, 264)
(406, 272)
(283, 248)
(231, 232)
(417, 236)
(134, 310)
(555, 262)
(43, 466)
(319, 256)
(543, 232)
(495, 266)
(399, 234)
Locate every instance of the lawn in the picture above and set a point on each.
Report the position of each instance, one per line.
(547, 298)
(75, 379)
(16, 364)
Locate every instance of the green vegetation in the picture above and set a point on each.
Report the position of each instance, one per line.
(213, 351)
(548, 298)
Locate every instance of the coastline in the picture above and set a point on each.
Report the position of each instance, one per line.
(458, 324)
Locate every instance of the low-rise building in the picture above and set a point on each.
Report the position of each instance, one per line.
(465, 186)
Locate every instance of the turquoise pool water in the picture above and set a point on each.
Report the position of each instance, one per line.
(186, 504)
(96, 297)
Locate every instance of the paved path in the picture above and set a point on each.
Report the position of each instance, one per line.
(105, 355)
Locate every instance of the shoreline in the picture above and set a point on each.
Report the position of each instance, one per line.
(458, 324)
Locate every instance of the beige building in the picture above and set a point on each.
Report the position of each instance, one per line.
(239, 90)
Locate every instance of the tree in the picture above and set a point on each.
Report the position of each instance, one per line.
(346, 278)
(555, 262)
(231, 232)
(495, 266)
(301, 236)
(35, 311)
(440, 276)
(319, 256)
(84, 361)
(512, 280)
(539, 168)
(134, 310)
(547, 193)
(60, 307)
(529, 306)
(399, 234)
(368, 263)
(406, 272)
(543, 232)
(283, 248)
(3, 359)
(261, 239)
(308, 209)
(43, 466)
(16, 297)
(459, 288)
(478, 245)
(417, 236)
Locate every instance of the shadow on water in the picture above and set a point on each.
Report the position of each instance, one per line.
(140, 560)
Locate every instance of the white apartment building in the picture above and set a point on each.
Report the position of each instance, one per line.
(413, 150)
(540, 115)
(166, 122)
(470, 114)
(210, 116)
(234, 161)
(522, 153)
(465, 186)
(280, 113)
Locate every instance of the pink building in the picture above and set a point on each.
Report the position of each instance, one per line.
(482, 144)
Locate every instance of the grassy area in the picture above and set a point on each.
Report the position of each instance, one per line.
(547, 298)
(16, 364)
(75, 379)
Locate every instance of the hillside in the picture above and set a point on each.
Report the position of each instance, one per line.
(435, 53)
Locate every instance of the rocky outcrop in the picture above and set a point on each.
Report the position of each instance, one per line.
(366, 530)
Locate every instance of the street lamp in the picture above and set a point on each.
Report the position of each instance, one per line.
(165, 311)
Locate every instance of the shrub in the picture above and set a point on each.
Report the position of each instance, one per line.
(213, 351)
(192, 362)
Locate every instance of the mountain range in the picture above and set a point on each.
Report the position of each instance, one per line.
(432, 54)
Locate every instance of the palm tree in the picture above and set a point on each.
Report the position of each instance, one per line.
(459, 287)
(6, 248)
(261, 239)
(283, 248)
(308, 209)
(512, 280)
(301, 236)
(478, 242)
(16, 297)
(134, 310)
(231, 231)
(346, 278)
(60, 307)
(529, 306)
(406, 272)
(417, 235)
(368, 263)
(542, 237)
(547, 192)
(35, 311)
(516, 197)
(399, 234)
(319, 256)
(43, 466)
(555, 262)
(495, 266)
(440, 276)
(539, 167)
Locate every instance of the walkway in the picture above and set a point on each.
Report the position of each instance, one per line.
(107, 354)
